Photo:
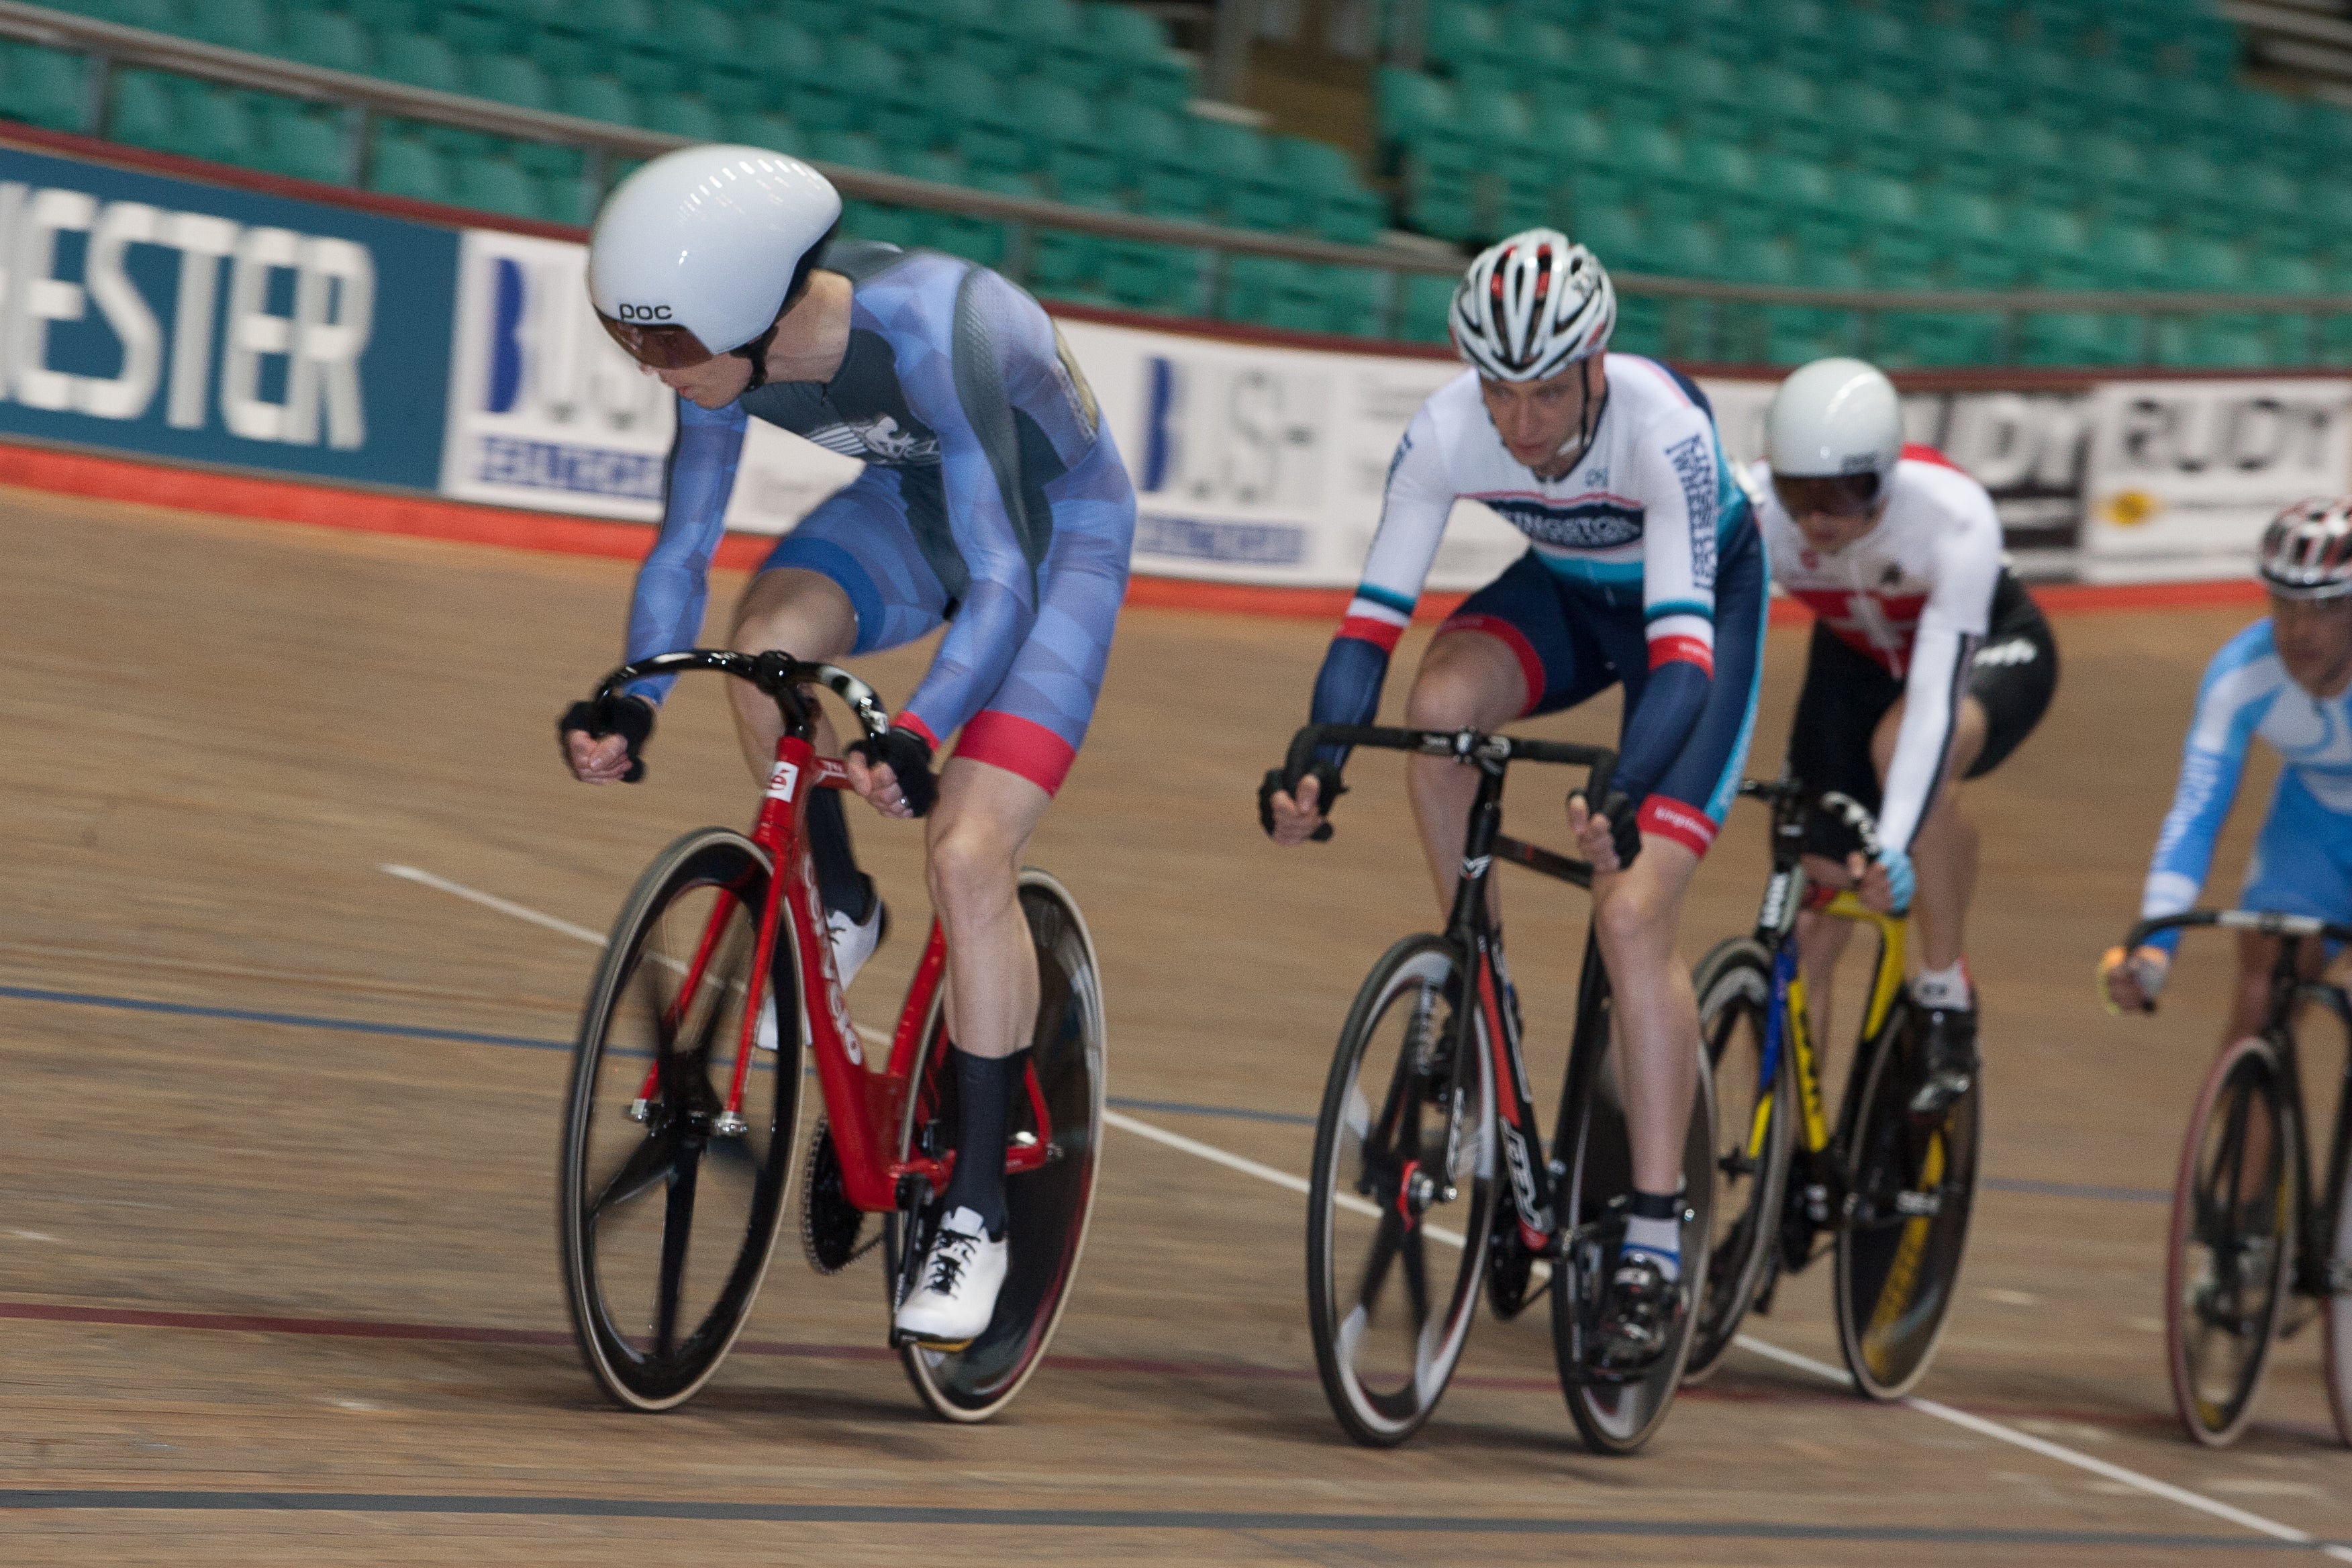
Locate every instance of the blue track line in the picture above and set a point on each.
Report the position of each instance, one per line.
(1165, 1107)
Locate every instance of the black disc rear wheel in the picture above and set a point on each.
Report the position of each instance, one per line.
(667, 1203)
(1046, 1209)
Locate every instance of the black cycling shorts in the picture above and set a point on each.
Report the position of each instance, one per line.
(1847, 692)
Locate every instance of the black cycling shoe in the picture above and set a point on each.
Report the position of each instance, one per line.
(1640, 1317)
(1952, 1066)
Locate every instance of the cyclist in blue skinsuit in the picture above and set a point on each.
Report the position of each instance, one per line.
(993, 501)
(2287, 678)
(1644, 569)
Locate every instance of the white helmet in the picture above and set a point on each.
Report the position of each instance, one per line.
(697, 252)
(1836, 427)
(1531, 306)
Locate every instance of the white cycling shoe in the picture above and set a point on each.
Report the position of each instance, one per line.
(853, 943)
(951, 1307)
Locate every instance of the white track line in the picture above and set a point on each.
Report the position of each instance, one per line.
(1283, 1178)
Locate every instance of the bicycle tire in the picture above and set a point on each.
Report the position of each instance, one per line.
(1898, 1258)
(2217, 1333)
(694, 913)
(1754, 1132)
(1613, 1417)
(1048, 1210)
(1383, 1393)
(2336, 1310)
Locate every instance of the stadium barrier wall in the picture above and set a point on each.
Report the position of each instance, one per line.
(259, 333)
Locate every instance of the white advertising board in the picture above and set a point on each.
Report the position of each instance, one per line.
(546, 412)
(2182, 474)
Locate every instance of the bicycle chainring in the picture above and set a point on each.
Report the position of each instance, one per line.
(1510, 1267)
(829, 1223)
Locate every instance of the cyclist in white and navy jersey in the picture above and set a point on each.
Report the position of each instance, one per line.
(1644, 568)
(993, 502)
(2287, 678)
(1929, 665)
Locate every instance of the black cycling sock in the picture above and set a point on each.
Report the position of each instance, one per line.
(845, 889)
(984, 1086)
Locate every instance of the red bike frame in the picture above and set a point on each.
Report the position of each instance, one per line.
(864, 1107)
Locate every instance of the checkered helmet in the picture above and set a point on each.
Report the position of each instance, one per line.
(2307, 549)
(1531, 306)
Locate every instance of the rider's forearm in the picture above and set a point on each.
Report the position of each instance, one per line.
(979, 648)
(673, 587)
(1940, 664)
(1347, 689)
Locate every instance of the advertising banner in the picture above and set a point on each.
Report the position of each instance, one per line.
(546, 411)
(205, 324)
(2184, 474)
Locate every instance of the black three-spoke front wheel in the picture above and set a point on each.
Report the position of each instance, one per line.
(668, 1202)
(1396, 1235)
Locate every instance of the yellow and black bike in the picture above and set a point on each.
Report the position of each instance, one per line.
(1892, 1193)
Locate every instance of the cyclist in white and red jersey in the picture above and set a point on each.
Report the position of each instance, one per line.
(1929, 664)
(1644, 570)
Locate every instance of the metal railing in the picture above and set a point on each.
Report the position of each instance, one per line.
(1701, 314)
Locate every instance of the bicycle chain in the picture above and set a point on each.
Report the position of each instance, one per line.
(829, 1239)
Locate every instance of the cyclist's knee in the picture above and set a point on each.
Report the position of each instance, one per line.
(1635, 916)
(970, 863)
(805, 613)
(1461, 687)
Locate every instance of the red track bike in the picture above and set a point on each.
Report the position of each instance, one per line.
(684, 1113)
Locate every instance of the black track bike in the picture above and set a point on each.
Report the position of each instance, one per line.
(2251, 1229)
(1890, 1193)
(1430, 1175)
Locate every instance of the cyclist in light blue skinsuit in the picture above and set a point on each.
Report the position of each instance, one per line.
(2287, 678)
(993, 501)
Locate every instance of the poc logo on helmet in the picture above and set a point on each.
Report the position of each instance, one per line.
(645, 312)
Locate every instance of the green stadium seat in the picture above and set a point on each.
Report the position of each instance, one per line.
(2080, 338)
(232, 24)
(1065, 265)
(857, 74)
(2035, 161)
(298, 141)
(1804, 37)
(217, 124)
(1454, 30)
(2046, 88)
(496, 185)
(2294, 340)
(1727, 174)
(850, 149)
(474, 33)
(1605, 66)
(759, 128)
(778, 57)
(508, 79)
(1875, 127)
(144, 111)
(1970, 69)
(2192, 193)
(1789, 112)
(1709, 95)
(329, 38)
(596, 98)
(419, 59)
(1421, 316)
(697, 34)
(156, 16)
(1803, 201)
(1882, 51)
(2110, 177)
(681, 115)
(2128, 255)
(404, 165)
(874, 221)
(1165, 278)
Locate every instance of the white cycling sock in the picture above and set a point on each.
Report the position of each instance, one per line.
(1944, 987)
(1659, 1239)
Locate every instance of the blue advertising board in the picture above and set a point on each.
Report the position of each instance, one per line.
(196, 322)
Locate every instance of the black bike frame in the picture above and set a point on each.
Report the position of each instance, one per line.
(1471, 929)
(2315, 1272)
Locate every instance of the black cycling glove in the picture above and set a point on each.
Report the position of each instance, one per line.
(631, 717)
(1328, 791)
(1624, 825)
(909, 757)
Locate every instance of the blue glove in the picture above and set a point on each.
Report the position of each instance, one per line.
(1900, 877)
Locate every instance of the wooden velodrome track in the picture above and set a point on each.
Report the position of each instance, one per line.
(276, 1264)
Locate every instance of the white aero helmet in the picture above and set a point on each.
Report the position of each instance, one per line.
(1531, 306)
(696, 252)
(1833, 434)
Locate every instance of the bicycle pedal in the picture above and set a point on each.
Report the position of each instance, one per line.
(729, 1124)
(1919, 1205)
(639, 1109)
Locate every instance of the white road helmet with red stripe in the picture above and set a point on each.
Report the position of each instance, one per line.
(1532, 306)
(2307, 551)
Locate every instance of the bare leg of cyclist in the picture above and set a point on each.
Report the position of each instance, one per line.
(974, 837)
(1467, 680)
(805, 613)
(1654, 1024)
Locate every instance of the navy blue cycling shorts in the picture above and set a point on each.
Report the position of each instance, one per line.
(1573, 642)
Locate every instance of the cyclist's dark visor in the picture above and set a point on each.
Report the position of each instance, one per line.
(1840, 495)
(661, 347)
